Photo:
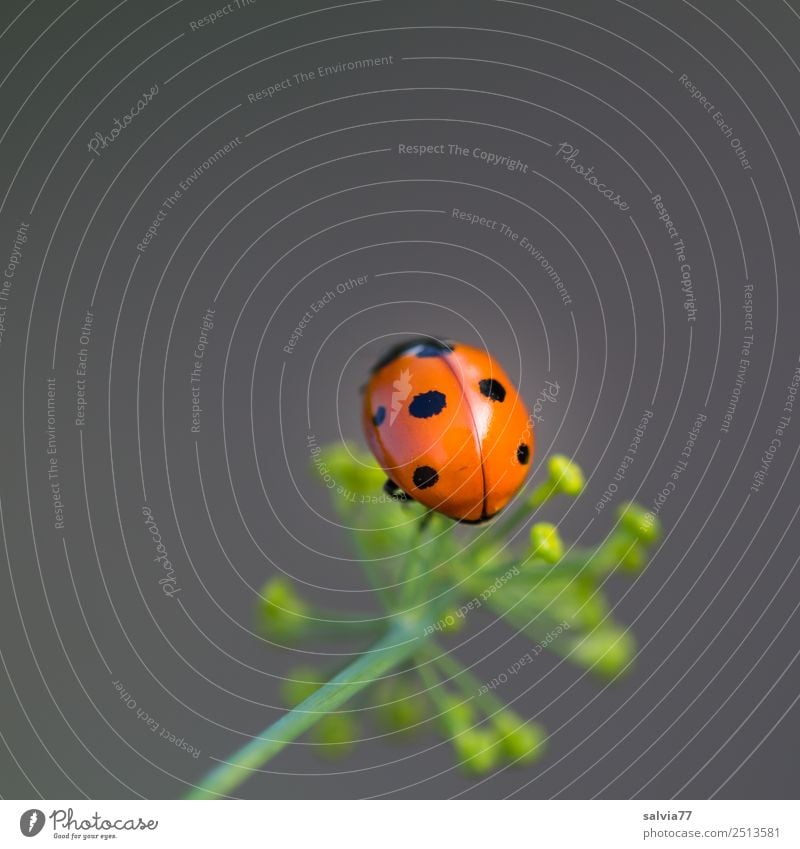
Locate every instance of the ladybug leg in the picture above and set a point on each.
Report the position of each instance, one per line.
(394, 491)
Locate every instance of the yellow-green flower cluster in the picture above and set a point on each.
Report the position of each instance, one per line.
(551, 592)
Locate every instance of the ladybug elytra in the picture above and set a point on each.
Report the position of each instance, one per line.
(448, 427)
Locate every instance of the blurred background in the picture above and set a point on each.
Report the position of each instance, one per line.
(185, 188)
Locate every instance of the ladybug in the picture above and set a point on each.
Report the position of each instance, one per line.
(448, 427)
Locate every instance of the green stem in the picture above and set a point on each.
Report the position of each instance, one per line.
(466, 681)
(588, 561)
(417, 570)
(543, 493)
(398, 644)
(342, 628)
(368, 565)
(436, 690)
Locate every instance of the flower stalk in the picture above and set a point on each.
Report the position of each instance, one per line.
(399, 643)
(421, 572)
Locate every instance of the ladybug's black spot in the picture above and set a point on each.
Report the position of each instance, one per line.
(425, 476)
(427, 404)
(523, 454)
(380, 415)
(493, 389)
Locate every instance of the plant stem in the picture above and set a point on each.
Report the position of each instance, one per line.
(469, 685)
(367, 566)
(371, 568)
(344, 627)
(586, 561)
(399, 643)
(417, 571)
(436, 690)
(542, 494)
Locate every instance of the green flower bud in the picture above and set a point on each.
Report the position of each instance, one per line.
(546, 543)
(630, 555)
(282, 612)
(641, 523)
(607, 651)
(299, 684)
(456, 715)
(452, 622)
(399, 708)
(522, 742)
(335, 735)
(477, 750)
(566, 475)
(486, 555)
(279, 592)
(351, 470)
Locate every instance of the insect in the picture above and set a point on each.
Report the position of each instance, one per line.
(448, 427)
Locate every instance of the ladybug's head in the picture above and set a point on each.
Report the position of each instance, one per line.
(421, 346)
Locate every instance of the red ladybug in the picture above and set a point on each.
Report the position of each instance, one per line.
(448, 428)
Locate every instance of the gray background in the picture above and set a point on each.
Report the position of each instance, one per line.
(316, 194)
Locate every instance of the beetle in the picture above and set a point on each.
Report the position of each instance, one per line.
(448, 427)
